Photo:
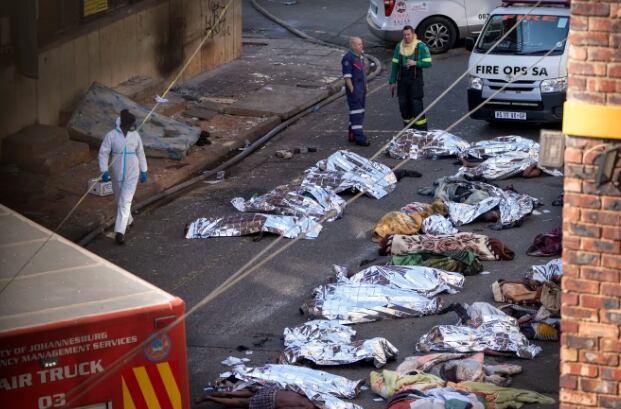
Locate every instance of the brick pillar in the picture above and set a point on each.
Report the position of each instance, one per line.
(591, 314)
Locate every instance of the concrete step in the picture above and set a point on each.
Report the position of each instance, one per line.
(32, 141)
(57, 160)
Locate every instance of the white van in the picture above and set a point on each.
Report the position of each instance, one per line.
(439, 23)
(539, 92)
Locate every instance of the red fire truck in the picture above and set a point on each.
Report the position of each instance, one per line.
(79, 332)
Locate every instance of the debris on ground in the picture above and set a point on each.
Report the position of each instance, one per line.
(547, 244)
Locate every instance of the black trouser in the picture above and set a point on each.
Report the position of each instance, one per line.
(410, 92)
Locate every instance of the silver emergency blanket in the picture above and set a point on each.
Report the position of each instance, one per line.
(423, 280)
(319, 330)
(488, 329)
(251, 223)
(415, 144)
(506, 156)
(500, 146)
(467, 200)
(294, 200)
(354, 302)
(323, 389)
(331, 343)
(437, 224)
(551, 271)
(344, 170)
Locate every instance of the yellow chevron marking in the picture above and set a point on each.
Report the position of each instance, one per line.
(147, 389)
(128, 402)
(170, 384)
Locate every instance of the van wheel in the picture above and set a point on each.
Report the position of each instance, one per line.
(438, 33)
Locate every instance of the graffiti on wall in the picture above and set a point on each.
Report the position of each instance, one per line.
(212, 10)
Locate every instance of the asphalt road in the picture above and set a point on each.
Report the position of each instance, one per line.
(254, 313)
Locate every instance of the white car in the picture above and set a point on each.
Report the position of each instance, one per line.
(439, 23)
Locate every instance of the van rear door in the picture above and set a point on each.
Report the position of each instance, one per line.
(477, 12)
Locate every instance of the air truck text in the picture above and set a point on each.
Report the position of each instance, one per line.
(510, 70)
(51, 375)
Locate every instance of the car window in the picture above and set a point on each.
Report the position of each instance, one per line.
(535, 35)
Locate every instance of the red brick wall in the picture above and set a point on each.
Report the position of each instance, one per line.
(595, 52)
(591, 314)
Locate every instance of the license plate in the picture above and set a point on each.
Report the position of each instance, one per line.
(374, 8)
(510, 115)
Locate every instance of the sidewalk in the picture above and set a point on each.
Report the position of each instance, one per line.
(236, 103)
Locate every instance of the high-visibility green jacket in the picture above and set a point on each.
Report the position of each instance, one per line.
(422, 58)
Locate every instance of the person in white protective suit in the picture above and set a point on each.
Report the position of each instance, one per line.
(128, 164)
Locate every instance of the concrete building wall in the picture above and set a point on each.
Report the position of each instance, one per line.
(591, 308)
(139, 43)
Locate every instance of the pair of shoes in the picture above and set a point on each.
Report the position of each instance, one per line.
(363, 143)
(119, 238)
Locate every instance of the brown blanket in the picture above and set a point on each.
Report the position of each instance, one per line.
(486, 248)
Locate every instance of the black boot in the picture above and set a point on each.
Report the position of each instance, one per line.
(120, 239)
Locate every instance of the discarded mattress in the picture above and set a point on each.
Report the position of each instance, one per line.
(344, 170)
(354, 302)
(95, 116)
(323, 389)
(294, 200)
(415, 144)
(488, 329)
(251, 223)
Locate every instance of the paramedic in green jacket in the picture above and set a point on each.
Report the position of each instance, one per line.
(408, 61)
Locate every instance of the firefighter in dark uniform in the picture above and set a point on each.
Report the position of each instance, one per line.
(411, 56)
(356, 89)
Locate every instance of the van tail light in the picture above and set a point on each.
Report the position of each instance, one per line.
(389, 6)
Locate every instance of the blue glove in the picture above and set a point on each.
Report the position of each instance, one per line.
(143, 177)
(105, 177)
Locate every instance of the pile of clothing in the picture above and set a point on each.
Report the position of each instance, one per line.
(468, 201)
(325, 342)
(297, 210)
(548, 244)
(483, 328)
(538, 299)
(380, 292)
(502, 158)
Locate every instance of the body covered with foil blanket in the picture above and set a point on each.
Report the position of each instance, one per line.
(351, 301)
(415, 144)
(486, 329)
(326, 342)
(344, 170)
(252, 223)
(323, 389)
(294, 200)
(423, 280)
(468, 200)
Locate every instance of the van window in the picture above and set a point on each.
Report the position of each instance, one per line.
(536, 35)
